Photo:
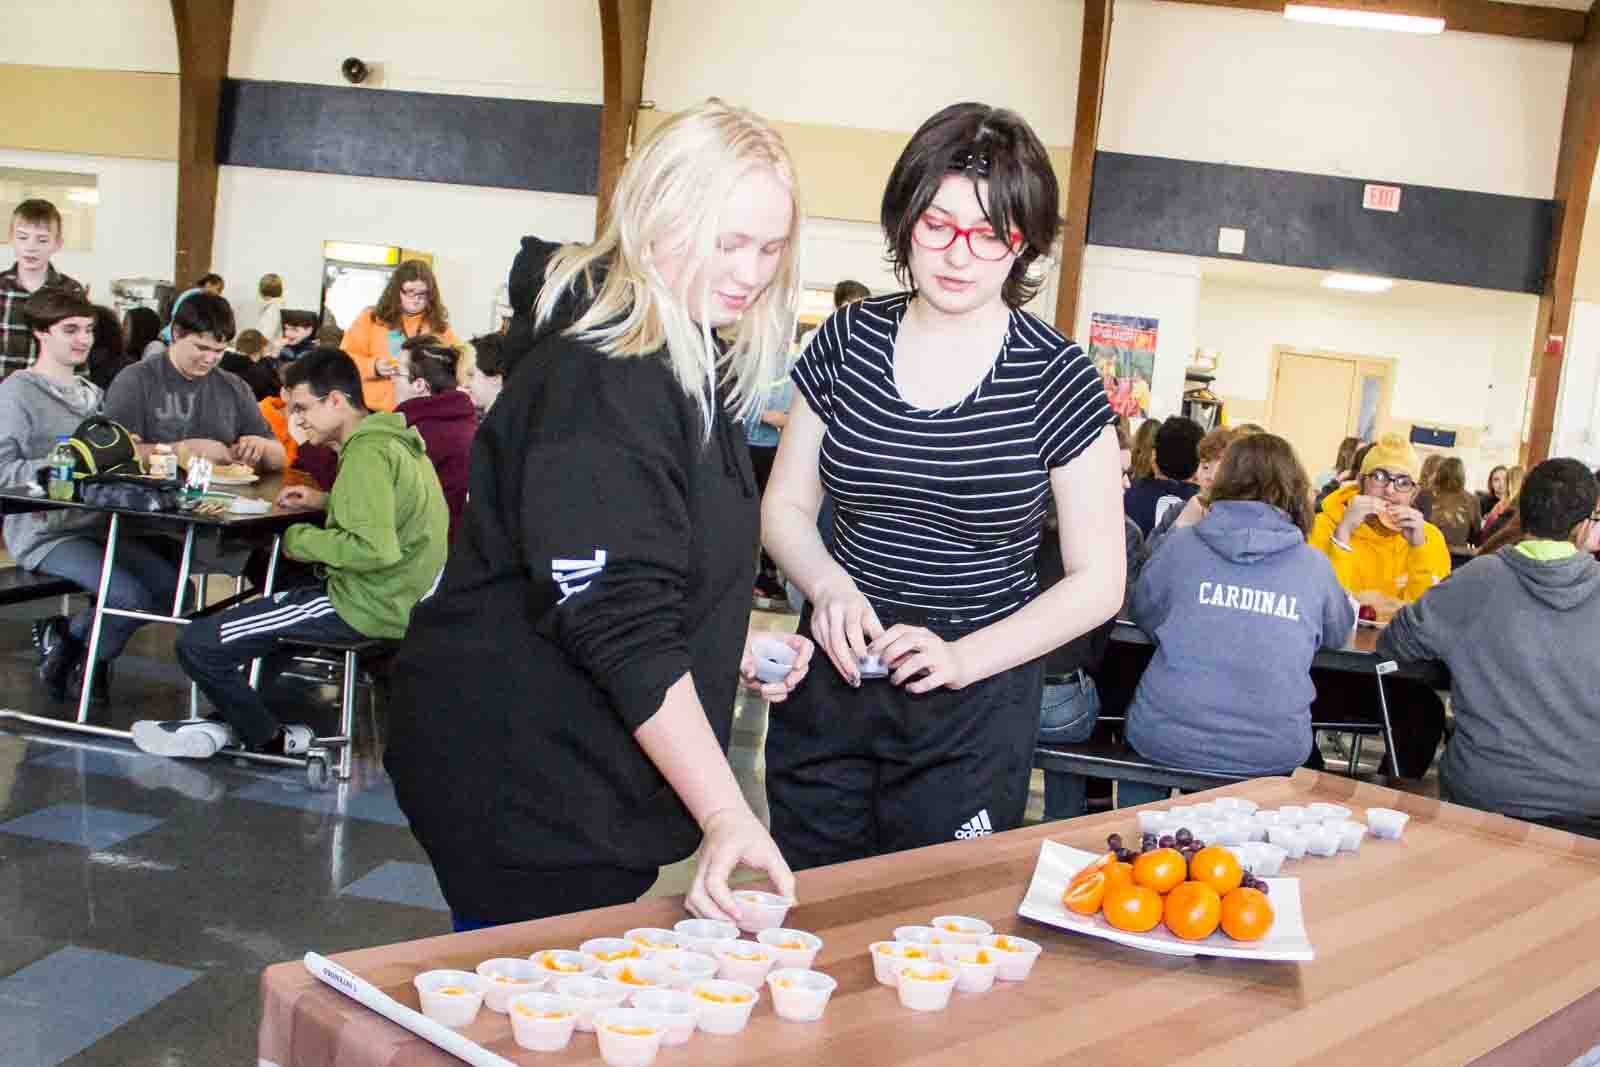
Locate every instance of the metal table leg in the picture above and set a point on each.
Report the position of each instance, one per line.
(266, 591)
(1383, 668)
(107, 562)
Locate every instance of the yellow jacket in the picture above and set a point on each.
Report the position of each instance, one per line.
(1378, 559)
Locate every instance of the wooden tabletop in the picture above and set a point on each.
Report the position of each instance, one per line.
(15, 500)
(1472, 937)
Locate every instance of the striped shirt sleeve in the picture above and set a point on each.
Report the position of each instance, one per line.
(1072, 408)
(816, 372)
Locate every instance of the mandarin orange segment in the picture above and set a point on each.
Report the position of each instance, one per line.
(452, 991)
(791, 946)
(1088, 872)
(1246, 915)
(1216, 867)
(1084, 898)
(632, 1031)
(1193, 911)
(1134, 908)
(1160, 869)
(982, 957)
(722, 998)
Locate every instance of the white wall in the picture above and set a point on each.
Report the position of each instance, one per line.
(1459, 110)
(1121, 281)
(276, 220)
(135, 221)
(1461, 354)
(885, 65)
(1576, 433)
(519, 49)
(96, 34)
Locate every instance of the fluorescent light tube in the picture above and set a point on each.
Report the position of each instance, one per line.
(1366, 20)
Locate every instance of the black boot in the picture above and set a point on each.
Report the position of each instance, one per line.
(64, 656)
(101, 692)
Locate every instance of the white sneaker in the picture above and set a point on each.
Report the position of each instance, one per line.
(297, 739)
(188, 738)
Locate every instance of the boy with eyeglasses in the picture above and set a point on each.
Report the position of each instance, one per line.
(1376, 540)
(379, 550)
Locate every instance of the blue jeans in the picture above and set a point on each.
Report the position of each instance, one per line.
(1132, 794)
(141, 580)
(1067, 716)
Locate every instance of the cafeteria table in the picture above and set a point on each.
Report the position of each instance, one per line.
(1470, 940)
(188, 525)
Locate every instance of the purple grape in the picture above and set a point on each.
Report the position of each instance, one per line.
(1166, 841)
(1196, 844)
(1126, 855)
(1114, 842)
(1184, 836)
(1261, 887)
(1149, 841)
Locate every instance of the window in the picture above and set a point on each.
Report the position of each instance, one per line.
(76, 196)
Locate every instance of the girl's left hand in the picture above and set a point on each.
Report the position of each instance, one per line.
(776, 692)
(915, 652)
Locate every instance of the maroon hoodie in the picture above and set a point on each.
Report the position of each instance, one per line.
(446, 422)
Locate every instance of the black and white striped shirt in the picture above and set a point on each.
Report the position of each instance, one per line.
(939, 511)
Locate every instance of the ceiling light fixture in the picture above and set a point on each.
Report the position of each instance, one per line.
(1366, 20)
(1357, 283)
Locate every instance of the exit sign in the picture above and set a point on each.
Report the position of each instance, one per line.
(1381, 198)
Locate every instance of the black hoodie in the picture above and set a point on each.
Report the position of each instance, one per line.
(522, 288)
(607, 549)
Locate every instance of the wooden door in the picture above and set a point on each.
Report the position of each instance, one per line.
(1313, 397)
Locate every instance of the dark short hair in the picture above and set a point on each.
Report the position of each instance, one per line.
(491, 354)
(986, 144)
(324, 371)
(848, 291)
(299, 317)
(143, 326)
(271, 285)
(37, 212)
(249, 342)
(1263, 467)
(54, 303)
(1556, 496)
(202, 312)
(207, 279)
(1178, 447)
(433, 361)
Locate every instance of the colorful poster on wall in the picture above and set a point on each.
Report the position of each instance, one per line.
(1123, 348)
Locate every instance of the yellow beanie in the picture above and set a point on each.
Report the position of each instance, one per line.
(1393, 453)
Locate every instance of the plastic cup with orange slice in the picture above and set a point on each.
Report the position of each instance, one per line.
(724, 1006)
(1015, 955)
(926, 986)
(542, 1022)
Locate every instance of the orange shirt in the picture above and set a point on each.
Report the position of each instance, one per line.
(272, 409)
(367, 341)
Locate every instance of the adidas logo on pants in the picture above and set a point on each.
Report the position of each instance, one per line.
(977, 826)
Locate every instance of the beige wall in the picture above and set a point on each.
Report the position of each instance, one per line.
(96, 112)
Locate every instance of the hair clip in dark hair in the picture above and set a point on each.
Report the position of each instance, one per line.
(977, 162)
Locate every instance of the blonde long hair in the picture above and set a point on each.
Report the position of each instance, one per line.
(670, 194)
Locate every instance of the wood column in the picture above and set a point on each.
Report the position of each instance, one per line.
(1575, 167)
(1085, 139)
(205, 28)
(624, 32)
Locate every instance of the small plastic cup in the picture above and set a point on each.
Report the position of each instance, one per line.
(629, 1037)
(760, 911)
(1152, 822)
(638, 974)
(1236, 805)
(1268, 859)
(747, 962)
(652, 939)
(976, 967)
(1207, 810)
(592, 995)
(685, 968)
(799, 994)
(1233, 832)
(676, 1008)
(961, 929)
(542, 1022)
(610, 949)
(1291, 839)
(724, 1006)
(926, 986)
(505, 978)
(450, 998)
(562, 963)
(872, 666)
(1327, 811)
(922, 935)
(1182, 811)
(793, 949)
(1321, 840)
(1017, 955)
(1269, 817)
(1350, 834)
(888, 955)
(1387, 824)
(1291, 814)
(705, 936)
(774, 658)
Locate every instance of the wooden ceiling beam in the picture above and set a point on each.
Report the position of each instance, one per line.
(1465, 16)
(205, 31)
(1085, 140)
(624, 34)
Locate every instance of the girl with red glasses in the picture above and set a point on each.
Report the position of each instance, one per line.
(944, 422)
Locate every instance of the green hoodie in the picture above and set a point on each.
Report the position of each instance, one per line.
(384, 540)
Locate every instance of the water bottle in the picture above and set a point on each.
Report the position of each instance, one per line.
(62, 464)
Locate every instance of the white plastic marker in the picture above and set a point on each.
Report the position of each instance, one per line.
(364, 992)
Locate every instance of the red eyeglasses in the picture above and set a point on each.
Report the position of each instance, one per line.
(937, 234)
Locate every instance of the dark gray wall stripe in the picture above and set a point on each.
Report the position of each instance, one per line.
(1317, 221)
(431, 137)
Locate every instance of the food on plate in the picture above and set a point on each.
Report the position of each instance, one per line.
(232, 470)
(1216, 867)
(1175, 880)
(1135, 908)
(1193, 911)
(1246, 914)
(1160, 870)
(1084, 896)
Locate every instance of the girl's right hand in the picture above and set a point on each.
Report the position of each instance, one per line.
(844, 624)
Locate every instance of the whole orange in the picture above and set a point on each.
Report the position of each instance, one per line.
(1193, 911)
(1135, 908)
(1217, 868)
(1119, 873)
(1246, 915)
(1159, 869)
(1083, 897)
